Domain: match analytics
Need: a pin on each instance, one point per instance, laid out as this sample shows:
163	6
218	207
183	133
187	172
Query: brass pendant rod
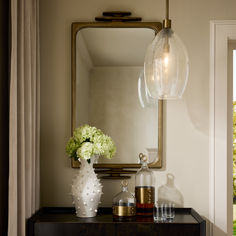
167	21
167	9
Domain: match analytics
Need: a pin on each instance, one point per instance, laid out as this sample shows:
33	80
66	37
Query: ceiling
116	46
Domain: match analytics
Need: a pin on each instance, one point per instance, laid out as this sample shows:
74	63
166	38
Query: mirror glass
109	87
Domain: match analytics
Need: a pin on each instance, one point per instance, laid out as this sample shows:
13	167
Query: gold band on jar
124	210
144	195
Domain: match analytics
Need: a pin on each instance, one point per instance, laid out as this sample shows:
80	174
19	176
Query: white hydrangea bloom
85	151
88	141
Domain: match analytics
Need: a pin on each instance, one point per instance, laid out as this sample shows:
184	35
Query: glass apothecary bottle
144	189
124	204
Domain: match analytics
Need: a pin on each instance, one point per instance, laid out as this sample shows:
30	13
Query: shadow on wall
169	193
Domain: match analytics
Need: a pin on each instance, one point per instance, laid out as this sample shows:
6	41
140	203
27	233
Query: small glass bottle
124	204
144	189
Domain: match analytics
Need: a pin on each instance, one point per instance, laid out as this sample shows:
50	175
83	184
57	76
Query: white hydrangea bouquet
88	141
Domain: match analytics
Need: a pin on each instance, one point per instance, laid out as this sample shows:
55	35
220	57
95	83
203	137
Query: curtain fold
24	115
4	115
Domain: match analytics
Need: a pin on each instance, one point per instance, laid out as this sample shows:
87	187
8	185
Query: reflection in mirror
108	66
144	97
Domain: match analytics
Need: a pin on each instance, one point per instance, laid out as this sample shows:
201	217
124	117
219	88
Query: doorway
221	129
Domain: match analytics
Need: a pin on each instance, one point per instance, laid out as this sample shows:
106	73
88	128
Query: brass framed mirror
107	83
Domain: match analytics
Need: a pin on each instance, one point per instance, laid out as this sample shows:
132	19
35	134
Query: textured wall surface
83	65
114	107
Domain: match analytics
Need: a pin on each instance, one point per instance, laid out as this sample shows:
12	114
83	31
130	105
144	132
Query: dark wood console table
63	222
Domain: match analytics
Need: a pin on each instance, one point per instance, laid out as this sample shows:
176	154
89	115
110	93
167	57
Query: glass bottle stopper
142	157
124	183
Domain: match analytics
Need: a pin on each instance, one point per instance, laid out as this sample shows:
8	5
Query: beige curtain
24	115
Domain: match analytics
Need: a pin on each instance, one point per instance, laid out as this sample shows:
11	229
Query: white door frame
220	159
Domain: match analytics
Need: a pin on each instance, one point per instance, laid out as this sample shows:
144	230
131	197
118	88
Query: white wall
186	138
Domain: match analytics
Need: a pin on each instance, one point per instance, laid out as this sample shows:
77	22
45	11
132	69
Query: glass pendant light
166	65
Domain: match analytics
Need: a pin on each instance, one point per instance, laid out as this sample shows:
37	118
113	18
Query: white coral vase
86	190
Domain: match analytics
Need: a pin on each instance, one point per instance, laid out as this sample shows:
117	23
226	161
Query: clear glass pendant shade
166	66
144	98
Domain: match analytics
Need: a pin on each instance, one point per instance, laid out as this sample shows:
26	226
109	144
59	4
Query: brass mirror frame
75	28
